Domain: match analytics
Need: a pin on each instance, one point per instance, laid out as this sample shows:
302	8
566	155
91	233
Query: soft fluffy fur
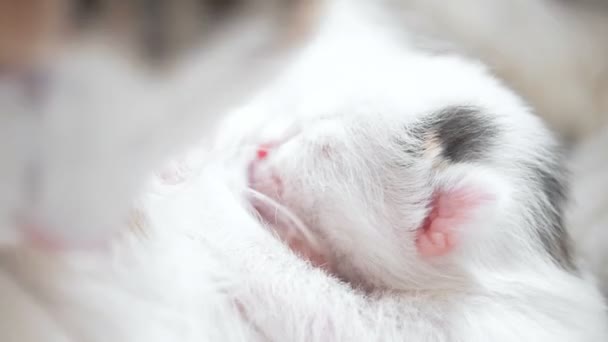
197	264
554	53
333	161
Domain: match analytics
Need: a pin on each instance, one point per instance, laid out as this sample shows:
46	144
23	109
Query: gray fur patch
550	221
464	133
461	132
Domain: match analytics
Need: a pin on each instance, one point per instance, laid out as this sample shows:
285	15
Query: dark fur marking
465	135
553	233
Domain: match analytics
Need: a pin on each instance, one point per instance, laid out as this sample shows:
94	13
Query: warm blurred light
153	30
28	29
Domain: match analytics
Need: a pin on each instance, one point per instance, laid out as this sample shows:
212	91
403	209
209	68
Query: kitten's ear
460	206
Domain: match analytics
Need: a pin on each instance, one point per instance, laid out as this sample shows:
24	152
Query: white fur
351	98
163	285
206	269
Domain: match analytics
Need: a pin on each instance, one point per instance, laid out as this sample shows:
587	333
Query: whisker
280	209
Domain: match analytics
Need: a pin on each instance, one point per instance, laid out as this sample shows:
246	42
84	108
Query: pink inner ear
449	209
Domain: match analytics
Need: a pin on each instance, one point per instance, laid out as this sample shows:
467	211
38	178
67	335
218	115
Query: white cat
197	265
419	181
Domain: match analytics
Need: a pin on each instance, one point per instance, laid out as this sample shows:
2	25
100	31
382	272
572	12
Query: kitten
203	268
429	190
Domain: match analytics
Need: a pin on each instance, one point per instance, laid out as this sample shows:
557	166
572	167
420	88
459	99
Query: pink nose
262	154
263	150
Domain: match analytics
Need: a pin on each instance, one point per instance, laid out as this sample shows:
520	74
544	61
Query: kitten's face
353	184
83	130
404	173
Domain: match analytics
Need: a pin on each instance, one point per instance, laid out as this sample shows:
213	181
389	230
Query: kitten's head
416	185
85	125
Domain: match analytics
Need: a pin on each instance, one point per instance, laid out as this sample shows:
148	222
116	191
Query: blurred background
553	52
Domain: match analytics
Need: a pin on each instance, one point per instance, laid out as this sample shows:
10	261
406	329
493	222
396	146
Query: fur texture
194	263
343	167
